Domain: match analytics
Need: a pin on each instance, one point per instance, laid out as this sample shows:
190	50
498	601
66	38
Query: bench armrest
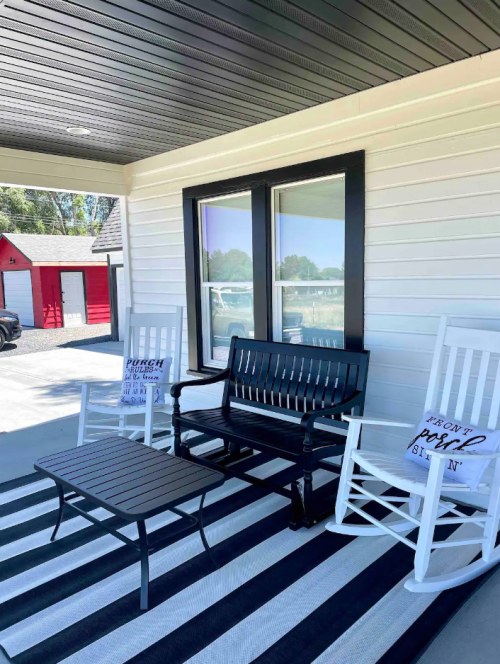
178	387
308	419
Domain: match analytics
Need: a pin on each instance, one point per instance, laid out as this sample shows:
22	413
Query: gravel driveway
34	340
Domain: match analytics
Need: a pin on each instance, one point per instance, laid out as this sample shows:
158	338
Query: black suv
10	327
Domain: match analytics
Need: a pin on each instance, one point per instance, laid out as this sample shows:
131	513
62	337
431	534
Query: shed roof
54	249
110	237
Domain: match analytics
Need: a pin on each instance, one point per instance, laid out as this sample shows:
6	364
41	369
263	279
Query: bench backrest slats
319	394
290	377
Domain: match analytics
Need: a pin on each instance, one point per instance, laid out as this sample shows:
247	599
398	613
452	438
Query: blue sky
321	240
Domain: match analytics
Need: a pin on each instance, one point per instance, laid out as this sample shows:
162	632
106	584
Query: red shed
53	280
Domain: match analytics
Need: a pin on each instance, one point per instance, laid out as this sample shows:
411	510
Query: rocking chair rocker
428	486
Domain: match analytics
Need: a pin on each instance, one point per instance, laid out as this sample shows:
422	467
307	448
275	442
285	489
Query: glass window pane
231	314
310	230
309	238
227	273
313	315
226	231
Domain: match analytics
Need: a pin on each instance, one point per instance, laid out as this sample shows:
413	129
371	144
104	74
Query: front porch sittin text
438	432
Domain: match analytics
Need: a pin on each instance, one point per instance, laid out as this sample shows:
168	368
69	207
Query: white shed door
73	298
120	293
18	295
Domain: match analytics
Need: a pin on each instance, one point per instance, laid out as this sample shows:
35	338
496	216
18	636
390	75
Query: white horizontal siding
432	146
44	171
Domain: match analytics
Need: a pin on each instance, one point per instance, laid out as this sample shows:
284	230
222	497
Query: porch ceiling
149	77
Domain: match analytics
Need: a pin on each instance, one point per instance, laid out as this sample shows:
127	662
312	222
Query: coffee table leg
60	493
143	543
202	534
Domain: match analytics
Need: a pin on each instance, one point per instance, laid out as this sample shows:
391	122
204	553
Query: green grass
328	311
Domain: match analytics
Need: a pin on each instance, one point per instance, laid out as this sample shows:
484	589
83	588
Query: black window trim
260	184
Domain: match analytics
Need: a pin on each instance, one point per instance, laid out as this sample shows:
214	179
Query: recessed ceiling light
78	131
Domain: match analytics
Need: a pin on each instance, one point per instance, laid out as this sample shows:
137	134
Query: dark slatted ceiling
149	77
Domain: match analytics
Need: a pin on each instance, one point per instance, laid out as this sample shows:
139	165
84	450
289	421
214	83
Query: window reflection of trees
232	265
301	268
236	265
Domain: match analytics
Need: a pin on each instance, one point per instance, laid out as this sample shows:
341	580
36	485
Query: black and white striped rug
280	596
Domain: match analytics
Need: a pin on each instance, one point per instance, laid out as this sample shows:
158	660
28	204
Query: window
278	256
226	273
308	266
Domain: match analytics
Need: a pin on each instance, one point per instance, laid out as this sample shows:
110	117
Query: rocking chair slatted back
465	341
470	360
293	379
155	336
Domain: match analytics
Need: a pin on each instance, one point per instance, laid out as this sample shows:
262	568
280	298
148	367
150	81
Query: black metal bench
311	386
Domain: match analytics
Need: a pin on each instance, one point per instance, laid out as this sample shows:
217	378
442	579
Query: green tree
4	223
331	273
233	265
22	213
51	212
298	268
98	209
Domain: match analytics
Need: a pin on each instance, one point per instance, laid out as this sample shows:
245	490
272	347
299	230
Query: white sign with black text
440	433
139	372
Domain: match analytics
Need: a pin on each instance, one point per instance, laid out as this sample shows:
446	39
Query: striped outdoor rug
280	596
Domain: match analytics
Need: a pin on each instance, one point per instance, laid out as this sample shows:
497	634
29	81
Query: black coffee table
134	482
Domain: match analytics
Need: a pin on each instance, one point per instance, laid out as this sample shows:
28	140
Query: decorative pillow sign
138	372
440	433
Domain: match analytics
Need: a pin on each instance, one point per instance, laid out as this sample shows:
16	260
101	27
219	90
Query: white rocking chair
147	336
429	485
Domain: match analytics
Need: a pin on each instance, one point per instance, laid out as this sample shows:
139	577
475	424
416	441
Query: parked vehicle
10	327
232	315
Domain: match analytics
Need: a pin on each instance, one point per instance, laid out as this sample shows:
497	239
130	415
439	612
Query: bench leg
202	534
308	499
303	512
307	467
60	493
144	549
297	505
177	428
185	451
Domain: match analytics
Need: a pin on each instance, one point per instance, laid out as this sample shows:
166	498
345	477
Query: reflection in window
309	254
227	274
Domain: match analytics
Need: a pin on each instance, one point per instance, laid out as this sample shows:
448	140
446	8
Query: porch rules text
139	372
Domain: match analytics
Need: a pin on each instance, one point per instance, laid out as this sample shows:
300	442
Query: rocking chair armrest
98	382
177	388
307	420
364	419
463	454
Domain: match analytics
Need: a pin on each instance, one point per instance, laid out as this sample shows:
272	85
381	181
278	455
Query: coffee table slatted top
129	479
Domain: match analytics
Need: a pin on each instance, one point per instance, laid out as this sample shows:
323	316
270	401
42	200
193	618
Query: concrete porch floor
40	400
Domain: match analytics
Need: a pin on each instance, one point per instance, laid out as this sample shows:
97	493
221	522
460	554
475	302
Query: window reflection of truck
232	315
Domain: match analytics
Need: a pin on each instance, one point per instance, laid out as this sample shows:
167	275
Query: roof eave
68	263
106	250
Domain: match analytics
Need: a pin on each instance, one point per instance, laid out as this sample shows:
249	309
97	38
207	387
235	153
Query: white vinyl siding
432	145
